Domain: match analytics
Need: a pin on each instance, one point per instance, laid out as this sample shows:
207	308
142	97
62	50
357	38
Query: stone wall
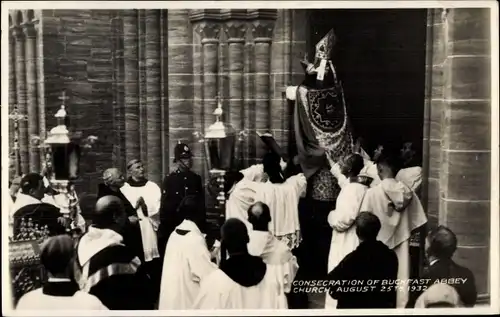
77	59
457	138
150	78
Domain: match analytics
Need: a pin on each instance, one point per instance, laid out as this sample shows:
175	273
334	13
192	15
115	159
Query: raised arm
335	170
254	172
342	218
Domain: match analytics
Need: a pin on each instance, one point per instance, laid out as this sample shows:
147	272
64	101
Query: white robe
151	194
410	176
278	257
282	199
243	194
219	291
37	300
344	237
396	226
187	262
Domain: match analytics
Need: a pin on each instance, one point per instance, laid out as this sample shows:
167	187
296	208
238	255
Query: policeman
177	185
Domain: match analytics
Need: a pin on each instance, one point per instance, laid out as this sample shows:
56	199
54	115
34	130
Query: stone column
164	92
12	93
289	43
143	103
153	89
131	85
118	100
209	30
180	82
262	30
31	94
21	98
235	28
434	90
40	81
466	138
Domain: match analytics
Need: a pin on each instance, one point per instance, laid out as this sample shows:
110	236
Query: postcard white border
495	181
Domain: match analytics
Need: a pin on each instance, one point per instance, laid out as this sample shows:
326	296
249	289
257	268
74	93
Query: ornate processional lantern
63	159
220	141
223	153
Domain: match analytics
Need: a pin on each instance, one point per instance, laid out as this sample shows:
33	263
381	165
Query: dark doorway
380	59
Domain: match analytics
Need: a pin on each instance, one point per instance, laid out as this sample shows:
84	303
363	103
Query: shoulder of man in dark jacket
447	270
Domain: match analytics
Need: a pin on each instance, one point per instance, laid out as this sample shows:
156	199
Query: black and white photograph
327	158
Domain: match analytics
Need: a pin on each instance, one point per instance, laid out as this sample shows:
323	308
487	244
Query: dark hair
30	182
57	253
189	208
272	168
390	161
263	218
355	164
442	242
234	235
367	226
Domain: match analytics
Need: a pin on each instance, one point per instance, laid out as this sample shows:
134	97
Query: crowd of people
146	247
332	226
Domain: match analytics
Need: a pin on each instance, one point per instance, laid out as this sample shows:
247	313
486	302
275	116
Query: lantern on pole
64	159
220	141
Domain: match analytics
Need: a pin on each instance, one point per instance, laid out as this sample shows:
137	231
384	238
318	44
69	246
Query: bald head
113	178
234	235
106	211
259	216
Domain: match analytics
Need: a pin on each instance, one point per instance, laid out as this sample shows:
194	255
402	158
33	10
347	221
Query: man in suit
177	185
441	244
372	260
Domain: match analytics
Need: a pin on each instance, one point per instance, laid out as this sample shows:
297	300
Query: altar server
342	218
242	281
276	254
187	259
400	212
266	183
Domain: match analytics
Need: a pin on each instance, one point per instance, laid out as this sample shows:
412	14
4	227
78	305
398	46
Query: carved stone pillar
153	88
12	91
262	30
235	28
31	94
208	27
131	85
21	98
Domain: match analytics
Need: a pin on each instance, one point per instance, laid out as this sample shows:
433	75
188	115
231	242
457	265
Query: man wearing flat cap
180	183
